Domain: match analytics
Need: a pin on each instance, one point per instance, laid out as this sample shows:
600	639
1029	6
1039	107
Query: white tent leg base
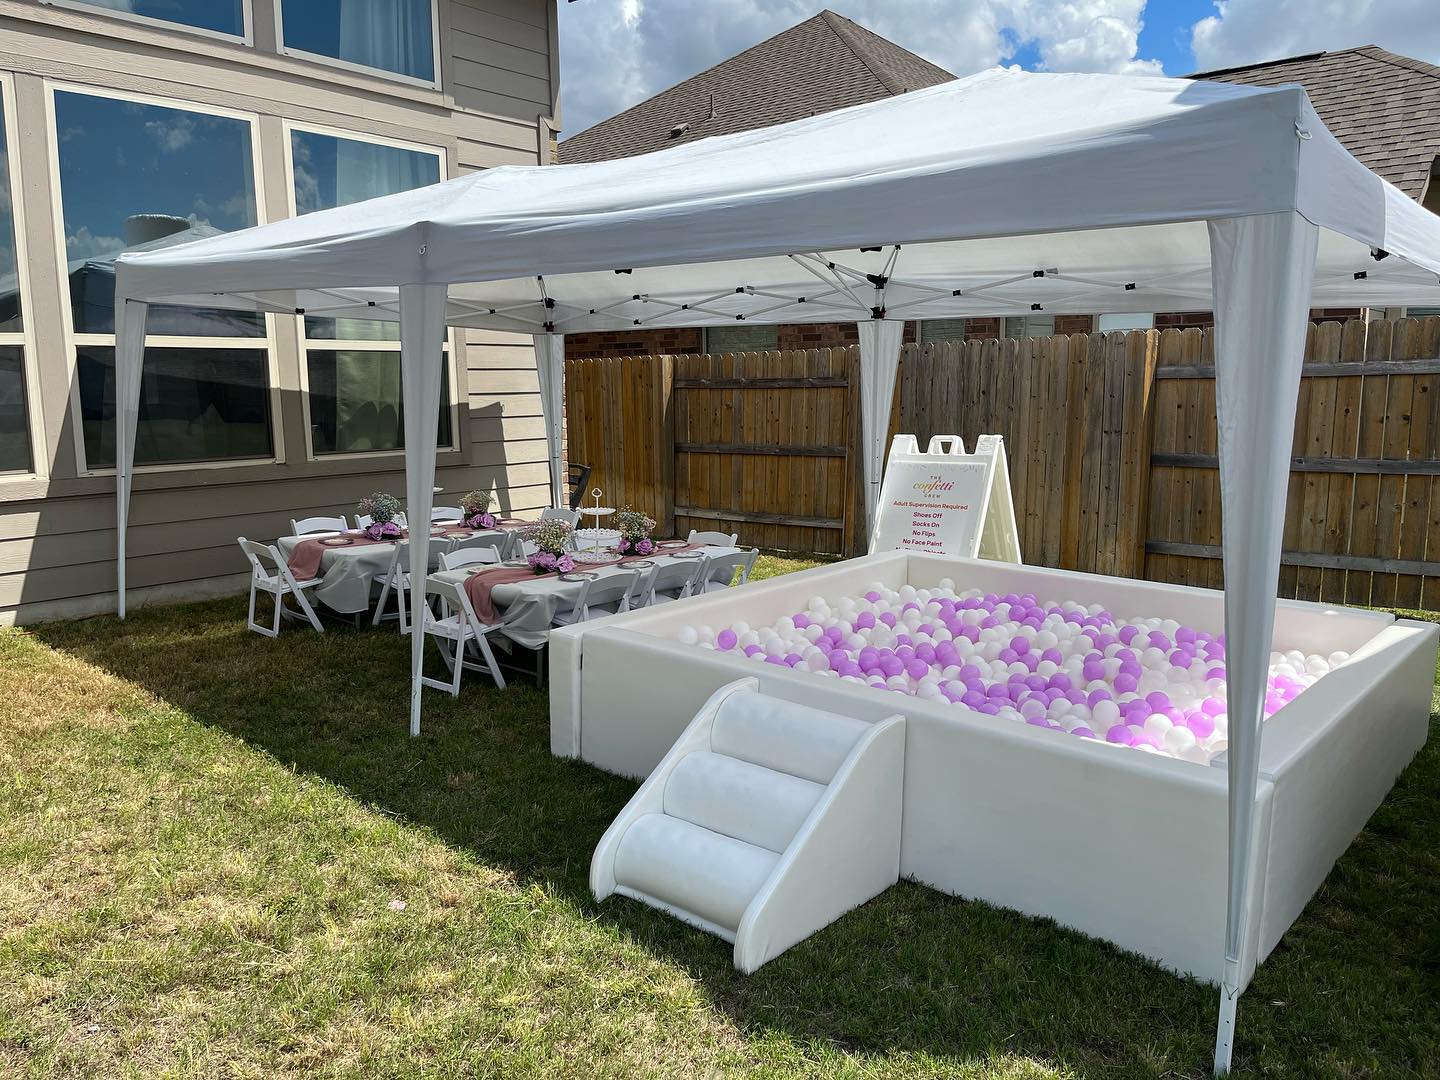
1225	1029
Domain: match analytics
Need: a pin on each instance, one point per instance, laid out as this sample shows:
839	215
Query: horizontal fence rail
1111	440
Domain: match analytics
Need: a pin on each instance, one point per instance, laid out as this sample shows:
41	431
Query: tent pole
1262	270
880	341
130	318
422	337
550	367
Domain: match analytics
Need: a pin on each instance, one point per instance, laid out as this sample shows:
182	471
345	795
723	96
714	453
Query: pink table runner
479	586
304	560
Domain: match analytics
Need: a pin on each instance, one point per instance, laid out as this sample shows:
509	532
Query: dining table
349	571
526	608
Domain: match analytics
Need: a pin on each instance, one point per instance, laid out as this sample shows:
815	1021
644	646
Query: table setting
350	562
524	595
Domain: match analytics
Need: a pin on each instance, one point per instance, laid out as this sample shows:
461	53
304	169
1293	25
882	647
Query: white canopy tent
1003	193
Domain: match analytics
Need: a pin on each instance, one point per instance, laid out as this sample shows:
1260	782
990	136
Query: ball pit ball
1151	685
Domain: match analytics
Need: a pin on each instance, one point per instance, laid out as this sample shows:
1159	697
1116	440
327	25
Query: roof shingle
1383	107
824	63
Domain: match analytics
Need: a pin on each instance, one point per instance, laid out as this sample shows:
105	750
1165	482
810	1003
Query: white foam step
783	736
737	799
691	868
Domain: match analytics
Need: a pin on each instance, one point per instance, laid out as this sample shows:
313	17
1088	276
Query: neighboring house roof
1384	108
824	63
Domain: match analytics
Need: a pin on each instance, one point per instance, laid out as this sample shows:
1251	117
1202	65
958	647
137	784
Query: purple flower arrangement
552	537
635	529
543	562
381	509
475	506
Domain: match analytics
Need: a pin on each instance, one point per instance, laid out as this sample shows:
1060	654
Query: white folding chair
718	539
455	630
471	556
608	595
364	521
446	513
523	549
304	526
279	584
498	539
397	577
721	569
556	514
673	581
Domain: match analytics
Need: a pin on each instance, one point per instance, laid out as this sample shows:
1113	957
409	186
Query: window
740	338
1104	324
936	330
397	36
137	175
15	452
1027	326
225	17
195	405
352	366
356	405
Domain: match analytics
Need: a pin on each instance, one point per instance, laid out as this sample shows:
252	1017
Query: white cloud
1248	31
83	244
614	55
172	134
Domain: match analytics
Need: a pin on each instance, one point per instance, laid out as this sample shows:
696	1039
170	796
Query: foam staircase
765	822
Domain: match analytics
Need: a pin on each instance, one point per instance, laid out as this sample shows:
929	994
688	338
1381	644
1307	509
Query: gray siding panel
57	537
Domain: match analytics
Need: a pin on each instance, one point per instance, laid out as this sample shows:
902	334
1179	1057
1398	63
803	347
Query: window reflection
135	177
195	405
331	171
389	35
356	402
220	16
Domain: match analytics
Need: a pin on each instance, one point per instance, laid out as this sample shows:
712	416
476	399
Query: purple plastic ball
726	639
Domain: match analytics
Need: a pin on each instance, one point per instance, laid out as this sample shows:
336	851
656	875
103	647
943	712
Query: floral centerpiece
635	529
551	536
381	509
476	510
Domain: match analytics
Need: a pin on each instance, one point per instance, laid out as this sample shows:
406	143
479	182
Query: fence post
663	466
857	529
1143	347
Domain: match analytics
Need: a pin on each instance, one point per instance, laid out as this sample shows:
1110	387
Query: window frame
24	338
74	340
362	69
305	344
247	17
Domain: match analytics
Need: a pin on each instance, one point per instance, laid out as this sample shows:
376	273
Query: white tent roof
1004	192
985	181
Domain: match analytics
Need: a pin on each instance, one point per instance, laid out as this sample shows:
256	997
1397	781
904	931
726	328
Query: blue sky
615	53
1165	33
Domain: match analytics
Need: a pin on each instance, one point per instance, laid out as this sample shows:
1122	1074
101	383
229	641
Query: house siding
57	536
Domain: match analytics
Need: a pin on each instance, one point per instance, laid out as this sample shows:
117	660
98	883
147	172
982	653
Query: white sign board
947	502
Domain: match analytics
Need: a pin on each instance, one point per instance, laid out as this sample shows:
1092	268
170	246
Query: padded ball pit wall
1121	845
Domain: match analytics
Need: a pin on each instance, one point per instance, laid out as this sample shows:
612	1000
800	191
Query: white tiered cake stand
595	538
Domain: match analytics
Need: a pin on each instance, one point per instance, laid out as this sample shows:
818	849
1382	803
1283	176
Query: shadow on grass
1351	990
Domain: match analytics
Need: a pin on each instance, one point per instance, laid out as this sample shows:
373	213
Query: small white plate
687	555
579	575
638	564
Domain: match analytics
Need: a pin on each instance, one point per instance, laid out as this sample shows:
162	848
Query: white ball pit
1125	843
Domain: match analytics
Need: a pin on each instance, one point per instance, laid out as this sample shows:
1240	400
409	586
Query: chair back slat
717	539
470	556
305	526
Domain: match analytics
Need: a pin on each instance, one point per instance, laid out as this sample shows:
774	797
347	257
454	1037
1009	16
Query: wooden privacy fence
1111	440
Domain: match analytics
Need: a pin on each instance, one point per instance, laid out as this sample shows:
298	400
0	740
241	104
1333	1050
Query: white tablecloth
348	573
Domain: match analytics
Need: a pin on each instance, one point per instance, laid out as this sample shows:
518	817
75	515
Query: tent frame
1262	276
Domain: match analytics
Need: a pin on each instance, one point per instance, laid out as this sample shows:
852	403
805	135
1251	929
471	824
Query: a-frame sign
947	502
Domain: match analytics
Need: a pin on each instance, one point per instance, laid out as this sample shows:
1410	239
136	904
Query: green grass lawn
221	856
